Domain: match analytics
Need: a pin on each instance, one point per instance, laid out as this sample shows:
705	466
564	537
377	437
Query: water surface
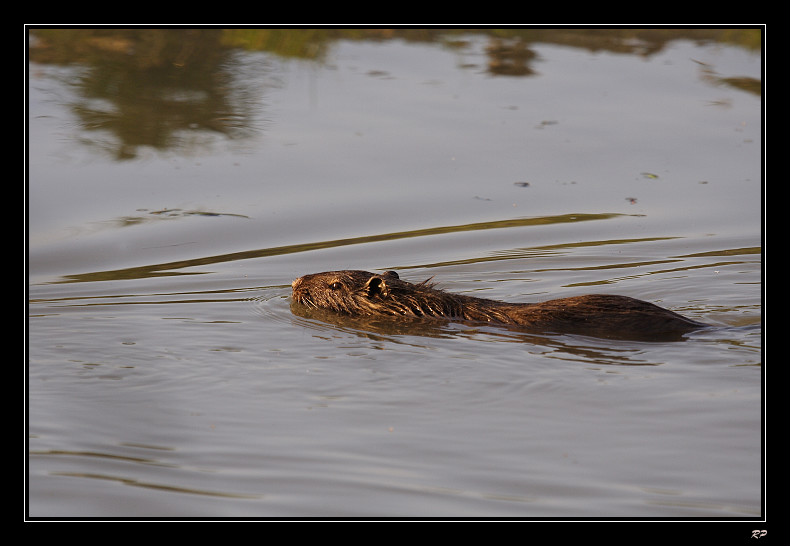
179	181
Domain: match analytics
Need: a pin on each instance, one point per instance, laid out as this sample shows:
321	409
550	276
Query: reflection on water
751	85
147	216
149	88
156	486
163	88
123	480
172	268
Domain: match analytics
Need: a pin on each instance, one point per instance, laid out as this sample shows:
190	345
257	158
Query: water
168	375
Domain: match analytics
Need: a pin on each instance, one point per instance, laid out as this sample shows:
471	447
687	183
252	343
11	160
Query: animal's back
602	315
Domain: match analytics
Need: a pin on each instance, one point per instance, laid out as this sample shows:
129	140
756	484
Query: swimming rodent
361	293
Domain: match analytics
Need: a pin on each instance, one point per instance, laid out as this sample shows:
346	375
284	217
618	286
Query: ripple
271	302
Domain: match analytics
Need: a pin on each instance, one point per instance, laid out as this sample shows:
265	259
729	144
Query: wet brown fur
361	293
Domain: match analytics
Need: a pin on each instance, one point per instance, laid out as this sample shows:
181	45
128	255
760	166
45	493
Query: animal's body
361	293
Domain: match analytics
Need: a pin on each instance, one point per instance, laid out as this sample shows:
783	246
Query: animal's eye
335	286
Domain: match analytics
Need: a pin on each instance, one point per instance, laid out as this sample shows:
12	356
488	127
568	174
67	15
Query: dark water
178	183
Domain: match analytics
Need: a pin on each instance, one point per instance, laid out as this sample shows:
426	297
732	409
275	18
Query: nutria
361	293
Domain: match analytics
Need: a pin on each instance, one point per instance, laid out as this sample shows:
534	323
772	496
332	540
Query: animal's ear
390	274
377	286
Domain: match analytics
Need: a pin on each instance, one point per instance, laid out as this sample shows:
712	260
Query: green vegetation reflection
181	89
